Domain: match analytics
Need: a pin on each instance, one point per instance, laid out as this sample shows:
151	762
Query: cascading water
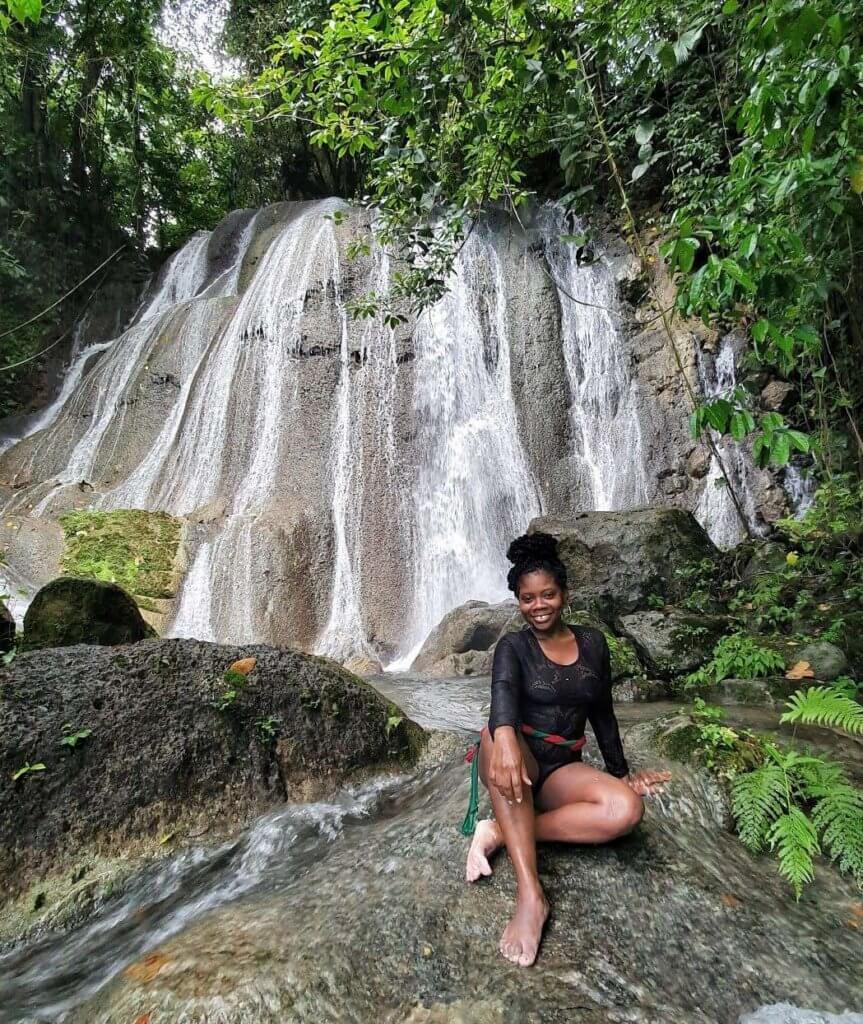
474	489
716	511
183	277
610	467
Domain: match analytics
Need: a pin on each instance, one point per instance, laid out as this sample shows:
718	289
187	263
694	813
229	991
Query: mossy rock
130	547
71	610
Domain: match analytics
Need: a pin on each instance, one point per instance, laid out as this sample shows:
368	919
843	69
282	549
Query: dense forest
723	138
734	129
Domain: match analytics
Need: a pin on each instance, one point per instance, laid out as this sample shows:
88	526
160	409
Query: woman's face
540	600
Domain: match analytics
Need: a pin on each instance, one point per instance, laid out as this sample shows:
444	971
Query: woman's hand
508	772
647	783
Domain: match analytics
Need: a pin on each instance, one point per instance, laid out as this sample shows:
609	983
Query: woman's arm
507	771
604	721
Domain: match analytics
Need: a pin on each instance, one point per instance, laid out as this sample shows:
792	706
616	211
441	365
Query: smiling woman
548	681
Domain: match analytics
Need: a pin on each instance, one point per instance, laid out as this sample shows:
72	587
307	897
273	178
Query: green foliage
796	805
27	769
737	656
235	683
72	737
268	728
825	706
99	148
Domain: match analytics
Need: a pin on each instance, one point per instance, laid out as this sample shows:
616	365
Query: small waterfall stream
610	466
715	510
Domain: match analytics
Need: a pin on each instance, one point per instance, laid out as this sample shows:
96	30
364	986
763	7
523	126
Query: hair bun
533	546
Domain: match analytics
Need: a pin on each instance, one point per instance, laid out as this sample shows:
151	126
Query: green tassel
469	824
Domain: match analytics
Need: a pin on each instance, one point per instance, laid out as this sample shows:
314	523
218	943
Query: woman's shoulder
515	639
590	637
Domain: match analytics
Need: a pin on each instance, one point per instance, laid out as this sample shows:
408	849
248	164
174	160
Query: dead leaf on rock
730	900
857	909
824	607
852	923
143	1019
244	666
147	969
801	670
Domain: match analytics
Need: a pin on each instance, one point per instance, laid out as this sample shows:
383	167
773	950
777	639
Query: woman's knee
624	810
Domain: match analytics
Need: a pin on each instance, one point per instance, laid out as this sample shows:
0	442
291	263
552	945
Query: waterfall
344	635
800	488
716	511
474	490
182	279
610	470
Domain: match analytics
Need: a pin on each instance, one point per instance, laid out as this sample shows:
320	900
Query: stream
356	910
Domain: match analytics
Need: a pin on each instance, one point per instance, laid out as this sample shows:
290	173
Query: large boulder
71	610
672	641
166	735
474	626
616	559
7	628
624	659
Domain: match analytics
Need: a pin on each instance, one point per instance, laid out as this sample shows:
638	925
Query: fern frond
794	838
823	705
838	816
816	778
758	798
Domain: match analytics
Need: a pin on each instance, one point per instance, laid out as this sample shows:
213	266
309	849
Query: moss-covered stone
69	611
130	547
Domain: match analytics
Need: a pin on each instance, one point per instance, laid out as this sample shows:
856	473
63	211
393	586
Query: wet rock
469	663
171	740
642	690
768	557
769	692
826	660
616	559
777	395
474	626
785	1013
363	665
7	628
672	641
70	610
698	462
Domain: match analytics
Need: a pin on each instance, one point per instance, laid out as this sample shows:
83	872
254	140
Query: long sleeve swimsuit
526	687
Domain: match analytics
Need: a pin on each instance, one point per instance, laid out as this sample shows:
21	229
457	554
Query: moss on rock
130	547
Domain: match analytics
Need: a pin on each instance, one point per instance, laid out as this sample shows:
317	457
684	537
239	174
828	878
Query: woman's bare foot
486	839
520	940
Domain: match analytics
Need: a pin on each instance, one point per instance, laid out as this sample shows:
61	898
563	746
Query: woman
547	681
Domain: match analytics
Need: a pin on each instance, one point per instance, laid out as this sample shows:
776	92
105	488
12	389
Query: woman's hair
533	552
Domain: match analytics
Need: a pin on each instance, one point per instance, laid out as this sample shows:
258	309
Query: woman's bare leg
580	804
520	940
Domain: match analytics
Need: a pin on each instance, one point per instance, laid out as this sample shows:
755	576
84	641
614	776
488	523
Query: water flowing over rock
716	510
355	909
362	477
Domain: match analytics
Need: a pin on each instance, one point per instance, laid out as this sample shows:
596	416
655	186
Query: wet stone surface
357	911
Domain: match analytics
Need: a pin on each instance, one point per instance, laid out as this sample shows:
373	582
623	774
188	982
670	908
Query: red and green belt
469	824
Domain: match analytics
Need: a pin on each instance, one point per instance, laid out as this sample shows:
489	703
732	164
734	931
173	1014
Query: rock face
71	610
672	641
616	559
7	628
826	660
473	628
159	747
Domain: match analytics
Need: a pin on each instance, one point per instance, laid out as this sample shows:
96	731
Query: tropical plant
737	655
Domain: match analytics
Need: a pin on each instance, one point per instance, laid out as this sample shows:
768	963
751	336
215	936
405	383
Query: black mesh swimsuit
527	687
